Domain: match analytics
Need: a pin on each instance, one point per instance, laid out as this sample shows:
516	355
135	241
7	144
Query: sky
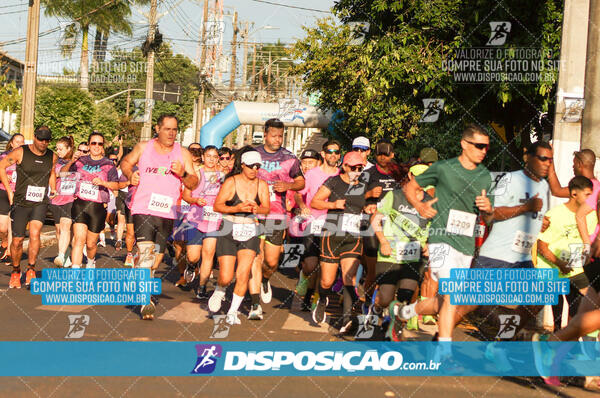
180	26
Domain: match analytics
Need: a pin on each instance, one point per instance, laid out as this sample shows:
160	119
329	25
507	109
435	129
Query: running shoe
148	311
102	240
129	260
181	282
429	320
67	263
544	357
90	264
256	313
318	315
119	245
15	280
29	275
189	274
265	292
201	293
394	332
413	323
495	353
214	302
348	326
59	260
233	319
302	285
315	300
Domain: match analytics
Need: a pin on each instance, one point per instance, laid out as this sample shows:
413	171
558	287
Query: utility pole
245	68
200	103
233	54
147	129
128	101
571	82
30	75
253	66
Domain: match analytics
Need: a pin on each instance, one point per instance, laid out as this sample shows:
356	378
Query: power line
290	6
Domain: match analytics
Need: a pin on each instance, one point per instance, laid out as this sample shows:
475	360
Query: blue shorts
487	262
183	231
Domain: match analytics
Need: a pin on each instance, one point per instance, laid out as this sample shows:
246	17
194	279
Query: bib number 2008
35	194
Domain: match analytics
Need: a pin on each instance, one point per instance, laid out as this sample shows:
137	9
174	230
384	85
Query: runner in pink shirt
5	235
202	240
163	167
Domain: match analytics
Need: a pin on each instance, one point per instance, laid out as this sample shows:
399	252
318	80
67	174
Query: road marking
186	312
63	308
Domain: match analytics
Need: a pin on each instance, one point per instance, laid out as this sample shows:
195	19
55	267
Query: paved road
181	317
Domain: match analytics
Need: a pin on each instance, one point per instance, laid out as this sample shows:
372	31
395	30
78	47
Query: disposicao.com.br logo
301	362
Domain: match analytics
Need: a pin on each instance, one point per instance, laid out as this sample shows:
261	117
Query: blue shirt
511	240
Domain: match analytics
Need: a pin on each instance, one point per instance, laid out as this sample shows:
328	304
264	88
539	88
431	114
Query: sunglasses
96	143
224	157
479	146
544	158
84	151
356	168
359	150
254	166
43	139
333	151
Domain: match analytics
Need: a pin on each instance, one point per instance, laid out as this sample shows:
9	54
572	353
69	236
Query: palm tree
112	16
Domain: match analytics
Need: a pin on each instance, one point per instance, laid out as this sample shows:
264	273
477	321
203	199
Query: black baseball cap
43	133
309	154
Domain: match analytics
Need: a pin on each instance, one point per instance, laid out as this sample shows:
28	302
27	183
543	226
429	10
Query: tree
71	111
379	86
107	15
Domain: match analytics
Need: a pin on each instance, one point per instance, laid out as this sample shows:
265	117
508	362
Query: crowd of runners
375	232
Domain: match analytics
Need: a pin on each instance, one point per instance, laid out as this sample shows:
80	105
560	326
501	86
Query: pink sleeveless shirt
159	190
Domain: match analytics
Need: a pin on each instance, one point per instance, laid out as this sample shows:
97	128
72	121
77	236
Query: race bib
316	226
185	206
351	223
408	251
67	187
243	232
272	194
208	214
35	194
89	191
523	242
461	223
160	203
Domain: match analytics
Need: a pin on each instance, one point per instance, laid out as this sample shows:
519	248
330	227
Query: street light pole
30	75
147	129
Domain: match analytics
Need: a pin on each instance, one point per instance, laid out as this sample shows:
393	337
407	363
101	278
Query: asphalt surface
182	317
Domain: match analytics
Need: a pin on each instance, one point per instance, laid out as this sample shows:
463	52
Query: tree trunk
104	46
97	50
84	73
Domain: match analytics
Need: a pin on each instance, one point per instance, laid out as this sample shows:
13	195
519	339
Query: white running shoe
265	292
102	241
214	302
233	319
59	260
91	264
256	313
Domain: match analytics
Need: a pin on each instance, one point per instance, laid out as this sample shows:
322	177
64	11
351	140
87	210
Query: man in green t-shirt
561	246
461	186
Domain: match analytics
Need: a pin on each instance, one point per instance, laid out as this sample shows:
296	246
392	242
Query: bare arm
544	251
132	158
581	218
263	195
296	185
11	158
189	177
319	201
52	181
555	187
425	209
